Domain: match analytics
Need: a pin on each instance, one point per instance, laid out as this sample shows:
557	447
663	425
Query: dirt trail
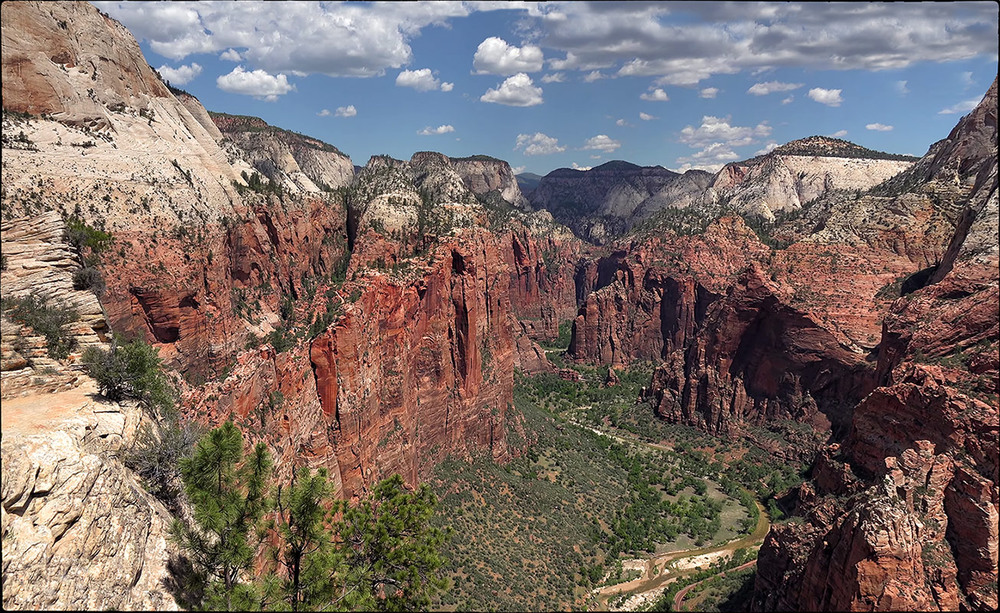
679	598
656	574
42	412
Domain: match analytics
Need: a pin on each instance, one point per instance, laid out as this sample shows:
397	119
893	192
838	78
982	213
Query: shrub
156	458
131	369
80	235
89	278
45	319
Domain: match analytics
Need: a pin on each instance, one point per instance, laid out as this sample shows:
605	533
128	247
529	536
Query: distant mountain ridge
607	200
295	161
611	199
827	146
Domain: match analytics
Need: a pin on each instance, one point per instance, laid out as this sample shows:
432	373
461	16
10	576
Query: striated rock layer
416	366
903	516
296	162
80	532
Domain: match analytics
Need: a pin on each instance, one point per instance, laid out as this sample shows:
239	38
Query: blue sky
550	85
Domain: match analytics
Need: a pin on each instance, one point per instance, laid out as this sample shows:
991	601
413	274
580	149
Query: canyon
371	321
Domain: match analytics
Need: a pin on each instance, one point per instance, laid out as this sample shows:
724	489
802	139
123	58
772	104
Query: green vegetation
827	146
80	235
389	550
729	592
89	278
477	158
561	342
89	243
131	369
156	454
379	554
542	531
227	493
47	319
764	229
905	182
247	123
256	183
739	557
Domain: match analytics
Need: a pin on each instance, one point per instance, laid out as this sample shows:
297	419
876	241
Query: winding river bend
662	569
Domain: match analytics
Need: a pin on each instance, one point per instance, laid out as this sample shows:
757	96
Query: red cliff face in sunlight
415	368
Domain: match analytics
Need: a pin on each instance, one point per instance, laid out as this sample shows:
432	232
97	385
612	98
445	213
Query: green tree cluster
380	554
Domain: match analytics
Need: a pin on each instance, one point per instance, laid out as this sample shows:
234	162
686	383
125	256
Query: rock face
798	172
916	213
642	307
296	162
757	359
546	274
41	263
908	520
80	532
485	175
203	269
451	394
416	365
74	78
603	202
904	514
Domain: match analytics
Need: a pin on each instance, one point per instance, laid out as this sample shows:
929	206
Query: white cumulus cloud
231	55
602	142
657	95
555	77
324	113
495	56
256	83
300	38
180	75
839	134
719	130
788	100
709	92
878	127
346	111
829	97
447	87
961	107
769	87
678	44
583	168
716	138
768	148
517	90
538	144
711	158
438	130
421	80
646	116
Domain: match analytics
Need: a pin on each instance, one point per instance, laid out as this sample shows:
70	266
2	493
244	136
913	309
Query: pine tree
302	513
227	492
388	554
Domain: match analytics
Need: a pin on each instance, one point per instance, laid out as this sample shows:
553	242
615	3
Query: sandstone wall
80	532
